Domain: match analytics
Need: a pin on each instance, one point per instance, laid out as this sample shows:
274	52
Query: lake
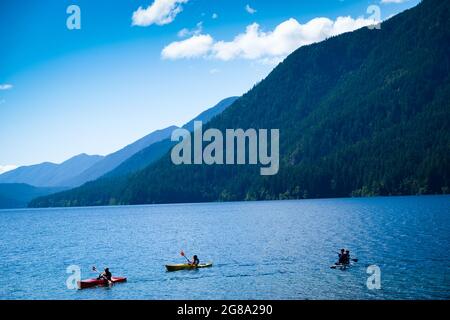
260	250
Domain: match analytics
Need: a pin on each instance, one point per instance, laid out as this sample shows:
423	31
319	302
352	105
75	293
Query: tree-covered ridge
364	113
17	195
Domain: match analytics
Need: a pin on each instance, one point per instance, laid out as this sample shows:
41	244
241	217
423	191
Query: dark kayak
341	266
89	283
185	266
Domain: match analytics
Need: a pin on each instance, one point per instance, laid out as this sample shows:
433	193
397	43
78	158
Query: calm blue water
260	250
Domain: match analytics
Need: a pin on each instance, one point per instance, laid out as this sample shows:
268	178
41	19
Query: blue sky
128	72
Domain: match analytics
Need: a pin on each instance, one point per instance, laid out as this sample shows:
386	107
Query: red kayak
89	283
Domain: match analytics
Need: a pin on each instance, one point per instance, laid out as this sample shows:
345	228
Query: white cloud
7	168
215	16
250	9
196	46
6	86
214	71
393	1
186	32
183	32
161	12
268	47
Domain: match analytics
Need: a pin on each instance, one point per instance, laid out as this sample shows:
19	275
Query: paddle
95	269
183	255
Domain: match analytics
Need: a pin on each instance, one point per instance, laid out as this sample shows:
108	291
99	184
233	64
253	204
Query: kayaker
347	257
106	275
341	257
344	257
195	261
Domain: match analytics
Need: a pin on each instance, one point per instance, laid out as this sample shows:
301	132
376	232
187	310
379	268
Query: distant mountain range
364	113
113	160
154	152
51	177
82	168
49	174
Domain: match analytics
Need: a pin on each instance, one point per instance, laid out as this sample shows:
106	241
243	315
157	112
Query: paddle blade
182	253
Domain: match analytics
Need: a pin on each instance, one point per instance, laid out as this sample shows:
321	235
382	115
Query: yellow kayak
185	266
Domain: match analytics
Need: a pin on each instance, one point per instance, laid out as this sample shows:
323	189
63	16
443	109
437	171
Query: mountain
364	113
154	152
113	160
118	177
210	113
83	168
17	195
49	174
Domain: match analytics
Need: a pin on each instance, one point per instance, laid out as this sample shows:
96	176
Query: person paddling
342	257
344	260
105	275
195	261
347	257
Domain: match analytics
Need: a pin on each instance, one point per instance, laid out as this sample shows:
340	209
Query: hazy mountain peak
48	174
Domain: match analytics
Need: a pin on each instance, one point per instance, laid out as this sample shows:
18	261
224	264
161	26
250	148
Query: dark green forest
365	113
